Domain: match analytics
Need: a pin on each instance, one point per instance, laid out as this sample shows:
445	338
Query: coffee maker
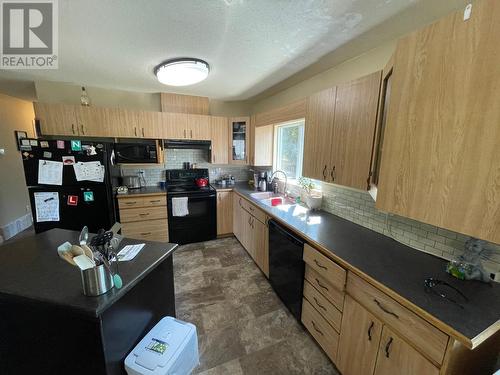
262	183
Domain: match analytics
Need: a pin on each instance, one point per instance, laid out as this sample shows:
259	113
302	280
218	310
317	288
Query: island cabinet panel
440	163
219	127
396	357
318	132
353	131
359	340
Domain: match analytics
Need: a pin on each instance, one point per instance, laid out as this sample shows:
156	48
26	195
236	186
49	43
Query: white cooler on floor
171	347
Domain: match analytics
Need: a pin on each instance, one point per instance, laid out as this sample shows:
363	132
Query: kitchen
332	208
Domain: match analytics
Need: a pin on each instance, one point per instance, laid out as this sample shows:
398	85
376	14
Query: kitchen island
49	327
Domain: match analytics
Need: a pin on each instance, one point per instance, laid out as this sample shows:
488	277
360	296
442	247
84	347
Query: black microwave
137	152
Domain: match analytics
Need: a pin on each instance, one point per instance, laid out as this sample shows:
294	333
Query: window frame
277	149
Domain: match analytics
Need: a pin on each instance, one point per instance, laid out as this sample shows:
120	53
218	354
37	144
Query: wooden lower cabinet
359	338
224	212
252	233
144	217
396	357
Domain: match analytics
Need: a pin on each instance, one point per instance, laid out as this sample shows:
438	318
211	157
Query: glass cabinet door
239	135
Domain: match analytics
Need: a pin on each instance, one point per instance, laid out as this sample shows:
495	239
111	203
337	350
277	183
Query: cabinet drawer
322	305
253	210
426	338
130	202
141	214
152	230
322	285
329	270
320	329
156	200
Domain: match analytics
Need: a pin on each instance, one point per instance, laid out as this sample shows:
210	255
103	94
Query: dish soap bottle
84	98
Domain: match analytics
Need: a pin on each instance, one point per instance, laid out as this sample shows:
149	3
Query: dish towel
180	206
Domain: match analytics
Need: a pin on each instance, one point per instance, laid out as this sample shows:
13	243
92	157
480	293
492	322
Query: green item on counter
297	200
454	269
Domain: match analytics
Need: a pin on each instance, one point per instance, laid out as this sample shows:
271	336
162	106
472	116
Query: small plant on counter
306	184
312	199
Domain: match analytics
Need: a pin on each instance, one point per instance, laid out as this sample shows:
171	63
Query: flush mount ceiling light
182	72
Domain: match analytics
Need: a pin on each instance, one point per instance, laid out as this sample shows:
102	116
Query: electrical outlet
141	171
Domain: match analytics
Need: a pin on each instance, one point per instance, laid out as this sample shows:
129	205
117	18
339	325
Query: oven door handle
192	197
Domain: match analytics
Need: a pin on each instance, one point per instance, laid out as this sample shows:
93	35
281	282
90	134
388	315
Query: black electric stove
200	223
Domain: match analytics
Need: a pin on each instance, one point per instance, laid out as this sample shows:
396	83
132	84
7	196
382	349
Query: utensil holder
96	281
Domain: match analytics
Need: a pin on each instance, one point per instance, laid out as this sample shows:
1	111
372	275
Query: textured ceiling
250	44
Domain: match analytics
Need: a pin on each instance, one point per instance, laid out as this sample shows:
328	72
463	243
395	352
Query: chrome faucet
275	184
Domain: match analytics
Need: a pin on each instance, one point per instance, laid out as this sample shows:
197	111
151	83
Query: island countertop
397	269
32	269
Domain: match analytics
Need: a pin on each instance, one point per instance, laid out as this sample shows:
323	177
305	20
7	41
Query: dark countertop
31	268
398	267
148	190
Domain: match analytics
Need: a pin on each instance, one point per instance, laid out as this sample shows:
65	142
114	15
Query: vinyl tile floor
243	328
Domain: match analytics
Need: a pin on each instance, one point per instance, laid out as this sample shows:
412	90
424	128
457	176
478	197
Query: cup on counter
163	185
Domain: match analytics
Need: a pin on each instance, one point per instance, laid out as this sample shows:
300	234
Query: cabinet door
440	163
263	145
174	126
56	119
353	129
397	357
320	112
359	339
239	136
150	124
238	218
224	212
98	121
260	243
220	143
198	127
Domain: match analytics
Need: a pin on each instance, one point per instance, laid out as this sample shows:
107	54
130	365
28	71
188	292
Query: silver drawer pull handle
146	214
320	265
145	234
155	201
316	328
130	202
384	309
319	304
321	285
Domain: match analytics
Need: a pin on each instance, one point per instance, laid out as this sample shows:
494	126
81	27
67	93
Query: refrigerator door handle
112	158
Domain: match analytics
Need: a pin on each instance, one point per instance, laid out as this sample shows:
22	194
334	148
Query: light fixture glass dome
182	72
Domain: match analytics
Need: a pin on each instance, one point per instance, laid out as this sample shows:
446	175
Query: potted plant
312	198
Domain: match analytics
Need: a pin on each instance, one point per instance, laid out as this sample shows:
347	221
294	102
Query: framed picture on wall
20	135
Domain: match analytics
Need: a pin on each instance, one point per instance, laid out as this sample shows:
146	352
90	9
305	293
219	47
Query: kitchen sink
263	195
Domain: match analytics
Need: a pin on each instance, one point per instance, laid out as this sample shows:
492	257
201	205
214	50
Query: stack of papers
129	252
89	171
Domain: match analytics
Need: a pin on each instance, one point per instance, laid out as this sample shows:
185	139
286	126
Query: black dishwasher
286	267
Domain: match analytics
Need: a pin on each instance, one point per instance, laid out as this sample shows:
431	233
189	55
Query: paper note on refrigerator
50	172
46	206
89	171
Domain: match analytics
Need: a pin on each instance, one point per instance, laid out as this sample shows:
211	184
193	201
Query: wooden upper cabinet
151	124
359	340
263	144
219	137
353	130
174	125
198	127
239	140
440	163
99	121
56	119
320	113
396	357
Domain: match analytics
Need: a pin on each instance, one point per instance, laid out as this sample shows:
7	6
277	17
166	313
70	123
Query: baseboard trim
9	230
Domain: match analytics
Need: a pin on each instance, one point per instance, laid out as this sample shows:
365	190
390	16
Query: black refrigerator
58	198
